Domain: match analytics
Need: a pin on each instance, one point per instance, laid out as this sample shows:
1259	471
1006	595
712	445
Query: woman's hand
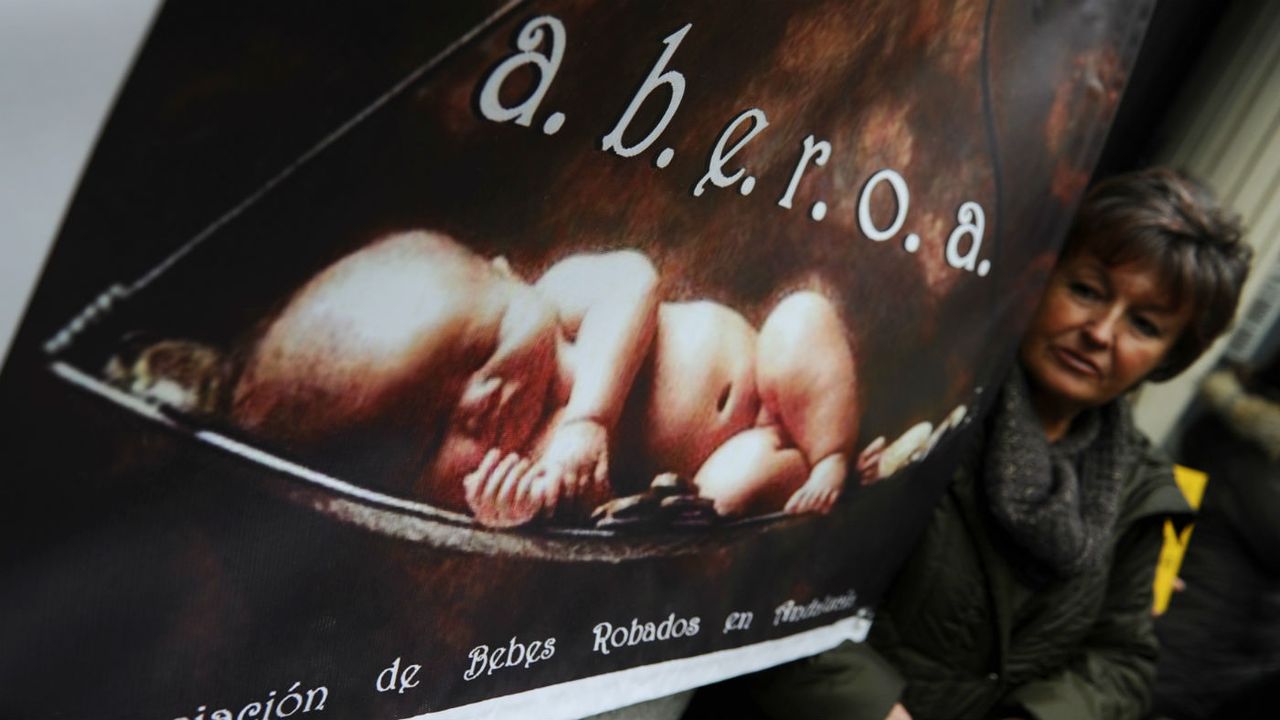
898	712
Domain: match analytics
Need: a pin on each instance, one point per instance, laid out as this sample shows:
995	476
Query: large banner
525	358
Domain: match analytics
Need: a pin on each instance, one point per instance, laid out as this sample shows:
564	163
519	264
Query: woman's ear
1164	371
1159	374
1175	359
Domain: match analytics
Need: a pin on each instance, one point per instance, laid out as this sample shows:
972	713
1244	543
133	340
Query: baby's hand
477	410
573	472
501	492
820	492
499	411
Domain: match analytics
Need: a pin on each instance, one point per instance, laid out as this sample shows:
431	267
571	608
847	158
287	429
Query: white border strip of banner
611	691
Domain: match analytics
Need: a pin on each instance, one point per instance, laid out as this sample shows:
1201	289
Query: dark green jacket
1222	633
960	636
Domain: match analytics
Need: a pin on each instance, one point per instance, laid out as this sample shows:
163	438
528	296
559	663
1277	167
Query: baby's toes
826	502
798	503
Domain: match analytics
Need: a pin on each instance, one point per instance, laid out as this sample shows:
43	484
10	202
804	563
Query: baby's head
365	364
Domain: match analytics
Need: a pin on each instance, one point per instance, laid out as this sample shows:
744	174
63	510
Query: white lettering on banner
486	661
901	197
674	80
541	44
395	678
972	223
715	169
819	152
609	636
738	621
791	611
530	37
294	701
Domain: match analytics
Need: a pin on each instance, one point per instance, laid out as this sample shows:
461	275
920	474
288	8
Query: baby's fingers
798	502
545	484
475	480
825	501
811	500
513	504
529	492
486	494
491	459
601	473
494	483
510	483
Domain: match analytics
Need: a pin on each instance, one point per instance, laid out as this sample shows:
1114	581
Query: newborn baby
420	366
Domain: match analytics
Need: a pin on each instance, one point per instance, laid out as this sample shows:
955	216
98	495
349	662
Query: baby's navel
722	402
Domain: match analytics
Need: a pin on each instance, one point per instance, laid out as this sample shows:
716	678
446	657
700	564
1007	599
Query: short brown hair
1161	216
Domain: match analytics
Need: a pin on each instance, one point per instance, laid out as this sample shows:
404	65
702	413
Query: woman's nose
1100	329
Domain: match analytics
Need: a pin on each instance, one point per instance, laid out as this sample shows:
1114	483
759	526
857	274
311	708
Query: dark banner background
145	574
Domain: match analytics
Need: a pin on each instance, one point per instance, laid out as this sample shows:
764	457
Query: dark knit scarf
1057	502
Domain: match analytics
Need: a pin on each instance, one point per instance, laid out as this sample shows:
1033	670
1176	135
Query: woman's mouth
1076	362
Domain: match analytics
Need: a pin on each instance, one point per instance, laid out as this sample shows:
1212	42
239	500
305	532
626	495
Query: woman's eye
1084	290
1146	327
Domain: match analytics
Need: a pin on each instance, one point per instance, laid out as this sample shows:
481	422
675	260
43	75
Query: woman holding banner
1029	595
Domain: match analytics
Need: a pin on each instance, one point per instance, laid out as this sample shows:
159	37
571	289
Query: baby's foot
820	492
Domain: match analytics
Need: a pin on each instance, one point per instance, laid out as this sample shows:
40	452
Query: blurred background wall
1221	125
61	64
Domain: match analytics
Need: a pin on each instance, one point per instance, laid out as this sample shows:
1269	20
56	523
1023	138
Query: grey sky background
61	64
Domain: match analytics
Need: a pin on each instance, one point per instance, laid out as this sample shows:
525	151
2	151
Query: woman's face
1099	331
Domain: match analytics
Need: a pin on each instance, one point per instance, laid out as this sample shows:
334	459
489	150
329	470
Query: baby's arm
512	382
607	305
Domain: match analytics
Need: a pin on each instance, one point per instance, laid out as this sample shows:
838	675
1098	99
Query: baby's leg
752	473
807	382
